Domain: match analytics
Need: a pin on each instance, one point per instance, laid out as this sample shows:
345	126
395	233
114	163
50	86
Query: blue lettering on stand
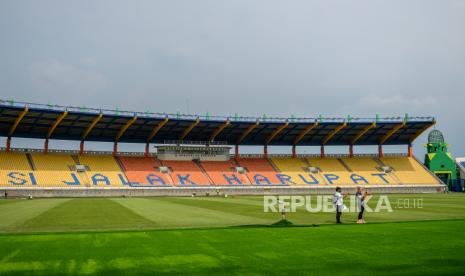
331	177
184	179
258	178
315	181
74	182
231	179
33	179
17	178
382	176
127	183
356	178
96	178
152	178
284	179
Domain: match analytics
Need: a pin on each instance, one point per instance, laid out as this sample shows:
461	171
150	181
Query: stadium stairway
186	173
370	168
409	170
103	170
222	173
260	172
296	168
142	171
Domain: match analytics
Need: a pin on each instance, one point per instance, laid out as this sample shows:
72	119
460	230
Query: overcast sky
279	58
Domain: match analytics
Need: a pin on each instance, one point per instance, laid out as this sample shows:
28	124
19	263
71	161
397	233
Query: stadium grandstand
193	153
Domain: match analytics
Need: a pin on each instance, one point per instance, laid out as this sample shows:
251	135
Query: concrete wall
212	191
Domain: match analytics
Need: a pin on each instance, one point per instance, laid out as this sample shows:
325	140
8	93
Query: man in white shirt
338	200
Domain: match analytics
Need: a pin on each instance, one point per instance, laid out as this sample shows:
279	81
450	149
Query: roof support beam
124	128
156	129
219	130
415	136
332	133
304	132
56	123
391	132
17	121
361	133
189	129
91	126
247	132
276	132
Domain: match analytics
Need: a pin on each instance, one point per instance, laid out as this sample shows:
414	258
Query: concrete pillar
147	150
8	144
81	148
46	146
115	148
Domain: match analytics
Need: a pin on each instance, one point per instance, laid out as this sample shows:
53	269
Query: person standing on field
360	204
338	200
282	208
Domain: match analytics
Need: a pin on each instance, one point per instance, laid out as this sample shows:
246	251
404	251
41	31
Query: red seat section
143	171
139	163
259	170
186	173
224	173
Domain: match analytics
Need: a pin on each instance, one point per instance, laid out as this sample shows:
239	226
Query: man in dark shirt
360	203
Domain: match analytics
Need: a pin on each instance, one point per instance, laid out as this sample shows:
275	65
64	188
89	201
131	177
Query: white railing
192	117
245	155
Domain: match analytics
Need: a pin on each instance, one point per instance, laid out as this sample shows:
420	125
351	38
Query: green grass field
227	235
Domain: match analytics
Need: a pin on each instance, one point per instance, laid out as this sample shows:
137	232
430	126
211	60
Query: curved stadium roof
30	120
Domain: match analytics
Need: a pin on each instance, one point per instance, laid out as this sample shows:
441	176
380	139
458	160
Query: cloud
394	104
54	77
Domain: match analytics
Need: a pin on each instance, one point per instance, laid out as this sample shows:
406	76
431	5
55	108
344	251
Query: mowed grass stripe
105	214
410	248
432	209
13	213
246	200
87	214
169	214
230	205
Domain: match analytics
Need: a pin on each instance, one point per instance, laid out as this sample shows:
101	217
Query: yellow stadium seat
99	162
52	162
327	164
14	161
409	171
